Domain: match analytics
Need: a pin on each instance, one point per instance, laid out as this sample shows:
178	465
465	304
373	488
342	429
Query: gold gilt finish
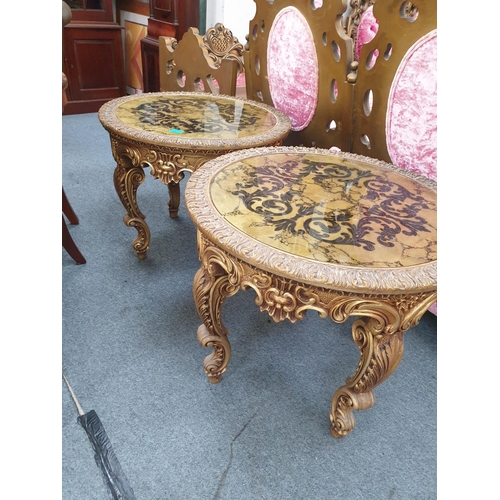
176	132
195	62
385	208
334	52
357	8
401	25
223	45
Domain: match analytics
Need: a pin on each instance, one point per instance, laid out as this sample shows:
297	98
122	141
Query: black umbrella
104	455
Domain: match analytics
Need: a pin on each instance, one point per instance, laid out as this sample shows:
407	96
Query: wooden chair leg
70	246
68	209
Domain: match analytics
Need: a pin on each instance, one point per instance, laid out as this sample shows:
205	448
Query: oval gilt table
176	132
335	233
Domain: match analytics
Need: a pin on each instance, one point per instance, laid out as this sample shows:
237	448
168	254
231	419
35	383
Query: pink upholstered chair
298	55
395	95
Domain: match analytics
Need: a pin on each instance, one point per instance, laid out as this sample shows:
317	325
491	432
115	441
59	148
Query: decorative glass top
328	208
196	116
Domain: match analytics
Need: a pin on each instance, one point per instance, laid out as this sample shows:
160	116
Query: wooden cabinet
92	56
167	18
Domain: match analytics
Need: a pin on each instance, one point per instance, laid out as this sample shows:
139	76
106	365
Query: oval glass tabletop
336	209
190	117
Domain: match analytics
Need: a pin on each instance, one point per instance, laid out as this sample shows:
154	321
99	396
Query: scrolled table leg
379	337
209	296
216	280
174	191
127	178
380	356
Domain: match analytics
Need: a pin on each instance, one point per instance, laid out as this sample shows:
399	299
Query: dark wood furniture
67	210
67	241
92	56
167	18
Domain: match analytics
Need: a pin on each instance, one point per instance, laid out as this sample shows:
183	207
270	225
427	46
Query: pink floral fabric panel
292	67
367	29
241	81
411	122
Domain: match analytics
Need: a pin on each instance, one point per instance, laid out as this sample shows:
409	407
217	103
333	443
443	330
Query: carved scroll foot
126	180
209	293
174	191
216	280
343	403
216	362
141	243
380	355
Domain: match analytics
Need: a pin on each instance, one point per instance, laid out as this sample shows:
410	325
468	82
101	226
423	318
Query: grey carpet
130	352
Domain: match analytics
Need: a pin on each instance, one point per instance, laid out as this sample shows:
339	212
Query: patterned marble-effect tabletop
293	210
344	213
308	229
194	119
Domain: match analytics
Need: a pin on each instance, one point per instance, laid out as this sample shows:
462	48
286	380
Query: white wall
233	14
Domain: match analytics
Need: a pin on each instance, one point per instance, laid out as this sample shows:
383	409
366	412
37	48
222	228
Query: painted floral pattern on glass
327	209
211	117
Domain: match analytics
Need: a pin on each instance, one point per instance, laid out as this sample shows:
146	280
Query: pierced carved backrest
360	25
209	63
395	87
298	55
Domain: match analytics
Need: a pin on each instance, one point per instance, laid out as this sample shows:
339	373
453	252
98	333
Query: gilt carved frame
386	301
194	62
330	125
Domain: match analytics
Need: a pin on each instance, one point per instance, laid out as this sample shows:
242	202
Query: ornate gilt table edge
378	333
167	157
385	312
121	131
411	279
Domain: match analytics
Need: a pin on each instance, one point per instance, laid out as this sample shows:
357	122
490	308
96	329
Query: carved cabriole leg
379	336
128	176
174	191
170	169
380	355
378	333
217	279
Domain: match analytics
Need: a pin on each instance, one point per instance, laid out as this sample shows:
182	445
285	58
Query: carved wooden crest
221	44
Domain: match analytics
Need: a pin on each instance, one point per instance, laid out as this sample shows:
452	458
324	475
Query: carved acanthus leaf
284	298
221	44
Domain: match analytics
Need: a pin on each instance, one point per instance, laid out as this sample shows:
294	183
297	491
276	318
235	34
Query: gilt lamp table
176	132
309	229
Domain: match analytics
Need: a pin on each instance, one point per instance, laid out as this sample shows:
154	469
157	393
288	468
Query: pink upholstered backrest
298	55
367	29
292	67
395	97
411	123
